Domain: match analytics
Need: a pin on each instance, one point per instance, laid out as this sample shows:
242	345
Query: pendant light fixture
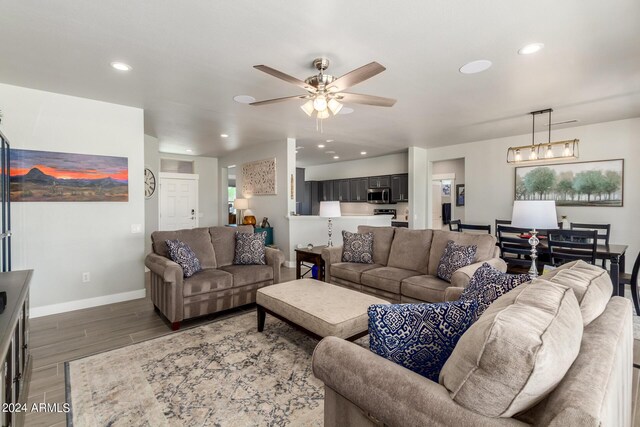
547	151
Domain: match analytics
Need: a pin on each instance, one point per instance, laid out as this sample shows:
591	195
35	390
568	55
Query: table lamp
534	214
240	205
330	210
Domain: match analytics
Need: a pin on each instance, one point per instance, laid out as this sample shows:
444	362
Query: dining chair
454	225
506	222
632	280
571	245
604	232
474	227
514	249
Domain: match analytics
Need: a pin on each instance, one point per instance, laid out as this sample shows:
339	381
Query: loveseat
220	285
405	263
364	389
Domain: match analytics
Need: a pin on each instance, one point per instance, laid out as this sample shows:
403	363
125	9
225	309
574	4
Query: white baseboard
64	307
290	264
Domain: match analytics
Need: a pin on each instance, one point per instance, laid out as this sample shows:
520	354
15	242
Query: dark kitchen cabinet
341	190
326	194
312	197
400	188
379	181
358	189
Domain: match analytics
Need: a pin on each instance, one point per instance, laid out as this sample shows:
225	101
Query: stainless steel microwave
378	195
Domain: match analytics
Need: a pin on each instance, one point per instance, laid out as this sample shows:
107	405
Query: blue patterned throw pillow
488	284
419	337
181	253
455	256
357	247
250	248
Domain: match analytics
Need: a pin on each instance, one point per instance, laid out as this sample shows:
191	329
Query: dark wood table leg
298	264
614	272
261	317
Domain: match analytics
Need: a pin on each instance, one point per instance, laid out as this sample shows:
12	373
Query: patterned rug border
67	383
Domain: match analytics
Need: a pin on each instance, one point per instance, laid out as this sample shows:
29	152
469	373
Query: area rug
224	373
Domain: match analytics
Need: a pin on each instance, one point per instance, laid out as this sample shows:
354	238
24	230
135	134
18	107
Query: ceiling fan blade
286	77
356	76
357	98
273	101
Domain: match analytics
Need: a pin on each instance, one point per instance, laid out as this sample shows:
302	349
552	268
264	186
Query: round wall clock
149	183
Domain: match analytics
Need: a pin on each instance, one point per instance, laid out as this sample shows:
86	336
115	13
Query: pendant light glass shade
334	106
320	103
307	107
323	114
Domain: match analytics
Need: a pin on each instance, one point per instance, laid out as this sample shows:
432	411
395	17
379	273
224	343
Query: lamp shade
241	203
330	209
534	214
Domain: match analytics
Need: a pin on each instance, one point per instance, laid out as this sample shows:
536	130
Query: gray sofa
219	286
406	262
364	389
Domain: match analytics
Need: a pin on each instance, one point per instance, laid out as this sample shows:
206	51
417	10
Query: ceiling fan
325	92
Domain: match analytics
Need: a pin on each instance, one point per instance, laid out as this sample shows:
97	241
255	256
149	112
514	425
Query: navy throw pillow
455	256
419	337
357	247
488	284
250	248
181	253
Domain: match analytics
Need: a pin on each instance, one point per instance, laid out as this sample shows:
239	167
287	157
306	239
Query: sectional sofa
405	263
221	285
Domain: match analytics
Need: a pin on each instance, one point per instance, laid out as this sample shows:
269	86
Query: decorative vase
249	220
566	225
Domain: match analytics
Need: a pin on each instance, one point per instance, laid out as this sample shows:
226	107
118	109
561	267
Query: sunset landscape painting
45	176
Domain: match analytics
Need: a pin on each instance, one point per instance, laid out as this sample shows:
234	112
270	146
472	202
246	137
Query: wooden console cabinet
14	345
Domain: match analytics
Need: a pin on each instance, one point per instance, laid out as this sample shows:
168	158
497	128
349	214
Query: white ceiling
190	58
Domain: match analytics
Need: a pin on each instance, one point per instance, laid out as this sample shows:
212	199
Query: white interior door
436	205
178	202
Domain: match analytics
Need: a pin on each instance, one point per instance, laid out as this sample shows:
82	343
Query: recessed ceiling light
363	153
336	157
299	148
475	66
244	99
224	135
330	152
346	110
121	66
329	140
189	150
530	48
320	145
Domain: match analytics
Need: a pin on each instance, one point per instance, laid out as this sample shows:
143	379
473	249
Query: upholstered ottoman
319	308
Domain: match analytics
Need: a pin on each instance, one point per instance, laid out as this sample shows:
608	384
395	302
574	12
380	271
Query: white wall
275	207
490	180
419	188
61	240
383	165
151	205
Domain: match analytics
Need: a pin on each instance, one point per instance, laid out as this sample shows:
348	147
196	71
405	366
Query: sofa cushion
223	240
207	281
351	271
249	274
455	257
517	351
198	240
357	247
591	284
485	243
181	254
250	249
382	238
424	288
488	284
386	278
419	337
410	249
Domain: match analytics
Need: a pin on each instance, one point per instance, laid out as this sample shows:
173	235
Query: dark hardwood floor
68	336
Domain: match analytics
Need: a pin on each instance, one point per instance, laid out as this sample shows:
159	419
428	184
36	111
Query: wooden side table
312	256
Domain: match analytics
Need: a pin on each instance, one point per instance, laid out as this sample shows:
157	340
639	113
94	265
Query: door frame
185	176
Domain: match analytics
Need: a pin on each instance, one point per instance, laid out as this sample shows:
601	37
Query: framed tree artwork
595	183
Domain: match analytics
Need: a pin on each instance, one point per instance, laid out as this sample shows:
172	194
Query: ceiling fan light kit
558	150
326	94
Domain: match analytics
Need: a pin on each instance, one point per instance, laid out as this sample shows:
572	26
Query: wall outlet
136	228
86	277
